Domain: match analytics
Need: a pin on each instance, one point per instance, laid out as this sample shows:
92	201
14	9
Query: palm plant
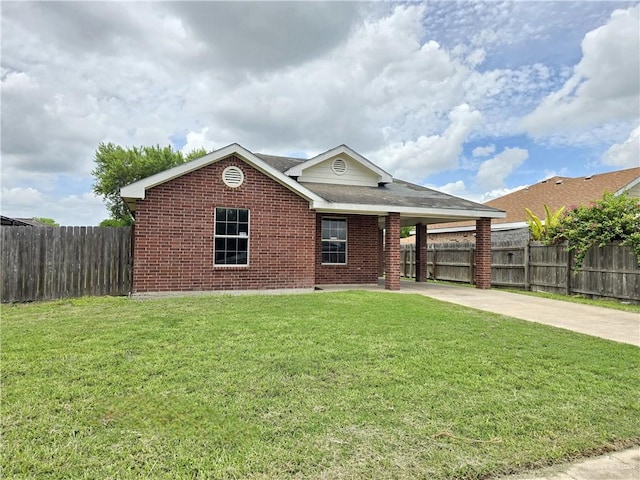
540	228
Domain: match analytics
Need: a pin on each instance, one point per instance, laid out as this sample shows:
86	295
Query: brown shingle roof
557	192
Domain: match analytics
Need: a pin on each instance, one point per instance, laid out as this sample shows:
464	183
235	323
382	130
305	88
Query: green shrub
612	219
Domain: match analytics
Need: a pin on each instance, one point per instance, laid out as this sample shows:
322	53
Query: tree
540	229
117	166
47	221
612	219
112	222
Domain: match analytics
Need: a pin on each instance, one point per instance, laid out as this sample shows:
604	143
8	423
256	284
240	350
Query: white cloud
460	189
84	210
197	140
604	85
496	193
457	188
20	197
483	151
626	154
416	160
493	172
400	83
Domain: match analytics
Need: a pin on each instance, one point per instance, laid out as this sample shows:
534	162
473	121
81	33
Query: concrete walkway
624	465
596	321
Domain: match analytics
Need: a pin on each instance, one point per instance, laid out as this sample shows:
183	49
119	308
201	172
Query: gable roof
138	189
556	192
414	203
296	170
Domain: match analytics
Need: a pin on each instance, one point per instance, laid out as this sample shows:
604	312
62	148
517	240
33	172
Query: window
231	236
334	240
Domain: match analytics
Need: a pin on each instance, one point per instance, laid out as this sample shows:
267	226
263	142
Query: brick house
237	220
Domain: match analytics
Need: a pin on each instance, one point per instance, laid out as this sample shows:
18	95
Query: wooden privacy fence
611	271
45	263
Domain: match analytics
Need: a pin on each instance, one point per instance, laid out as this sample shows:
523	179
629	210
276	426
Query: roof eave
496	227
364	209
628	186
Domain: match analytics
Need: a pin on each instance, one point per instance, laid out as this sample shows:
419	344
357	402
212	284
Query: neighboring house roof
410	240
555	192
21	222
367	189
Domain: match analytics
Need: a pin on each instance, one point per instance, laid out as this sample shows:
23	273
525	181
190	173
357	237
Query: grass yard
331	385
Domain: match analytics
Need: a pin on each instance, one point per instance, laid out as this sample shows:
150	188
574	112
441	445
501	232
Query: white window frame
238	236
345	241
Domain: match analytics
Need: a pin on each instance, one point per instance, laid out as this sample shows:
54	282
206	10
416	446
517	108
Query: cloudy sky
475	99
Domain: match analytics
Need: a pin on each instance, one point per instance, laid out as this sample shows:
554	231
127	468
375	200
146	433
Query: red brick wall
362	252
483	253
174	234
392	253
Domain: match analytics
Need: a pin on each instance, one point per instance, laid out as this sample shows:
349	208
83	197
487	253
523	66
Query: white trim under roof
494	227
383	177
457	214
138	189
629	186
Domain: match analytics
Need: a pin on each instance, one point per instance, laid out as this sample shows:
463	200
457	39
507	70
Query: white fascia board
296	171
325	206
496	227
139	188
629	186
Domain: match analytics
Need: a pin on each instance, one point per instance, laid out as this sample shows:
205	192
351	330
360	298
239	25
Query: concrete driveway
597	321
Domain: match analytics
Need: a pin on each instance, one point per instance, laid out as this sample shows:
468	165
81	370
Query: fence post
526	260
472	266
435	264
412	270
569	262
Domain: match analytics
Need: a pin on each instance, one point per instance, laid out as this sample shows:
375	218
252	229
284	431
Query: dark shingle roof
398	193
280	163
22	222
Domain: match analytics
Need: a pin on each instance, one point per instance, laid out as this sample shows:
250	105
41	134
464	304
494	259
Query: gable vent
232	177
339	166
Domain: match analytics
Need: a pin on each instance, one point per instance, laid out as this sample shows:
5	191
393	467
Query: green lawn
326	385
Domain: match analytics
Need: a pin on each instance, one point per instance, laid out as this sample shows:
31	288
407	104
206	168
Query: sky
476	99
